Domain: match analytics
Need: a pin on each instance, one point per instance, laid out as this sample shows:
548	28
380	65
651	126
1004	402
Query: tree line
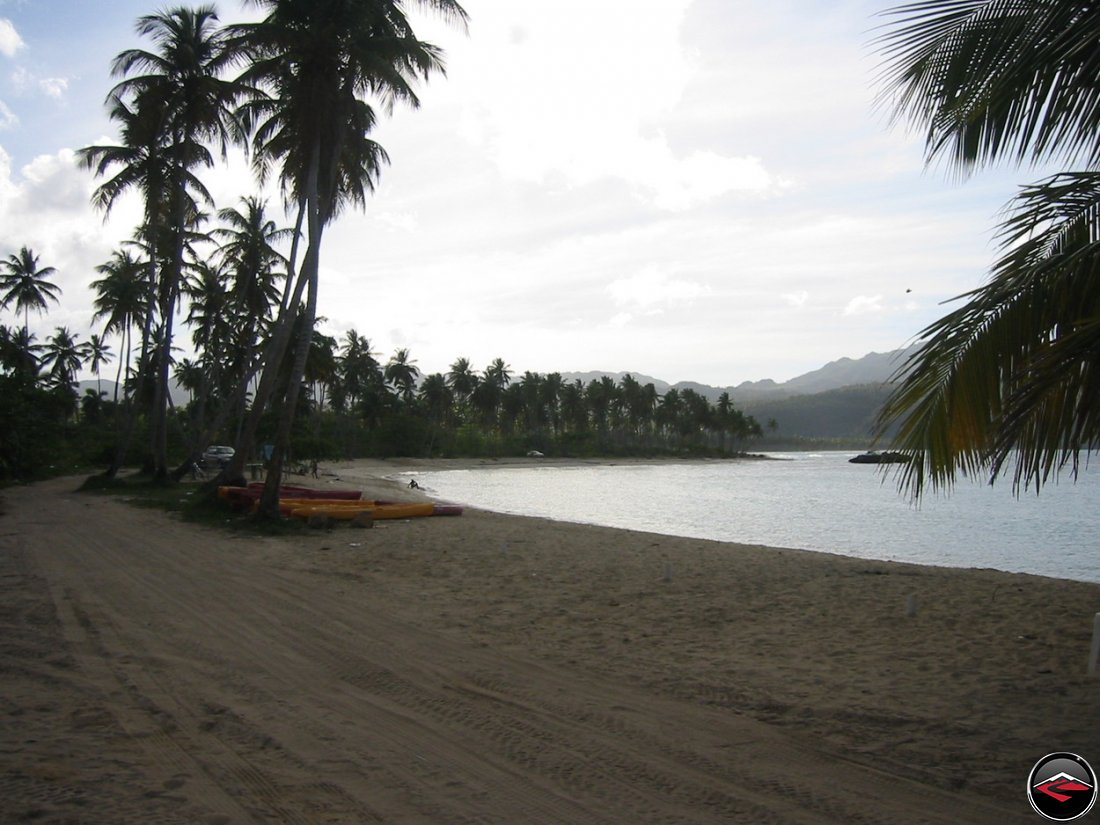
300	90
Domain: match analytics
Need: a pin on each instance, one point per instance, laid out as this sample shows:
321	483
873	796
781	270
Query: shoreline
382	478
491	666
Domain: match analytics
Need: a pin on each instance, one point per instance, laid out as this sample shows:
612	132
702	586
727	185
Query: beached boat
303	502
886	457
377	511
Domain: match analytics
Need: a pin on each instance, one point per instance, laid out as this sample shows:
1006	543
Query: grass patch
193	503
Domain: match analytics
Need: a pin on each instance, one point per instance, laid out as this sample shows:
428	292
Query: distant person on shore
313	468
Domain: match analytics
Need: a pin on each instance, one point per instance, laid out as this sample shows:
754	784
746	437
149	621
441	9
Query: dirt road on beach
153	671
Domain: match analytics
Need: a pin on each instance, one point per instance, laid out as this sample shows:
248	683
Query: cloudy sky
687	189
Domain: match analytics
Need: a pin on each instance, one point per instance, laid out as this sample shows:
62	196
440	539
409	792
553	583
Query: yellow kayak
344	512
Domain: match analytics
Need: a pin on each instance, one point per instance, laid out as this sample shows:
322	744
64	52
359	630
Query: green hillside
846	413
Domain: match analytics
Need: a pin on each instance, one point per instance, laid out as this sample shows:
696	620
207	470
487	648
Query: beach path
159	672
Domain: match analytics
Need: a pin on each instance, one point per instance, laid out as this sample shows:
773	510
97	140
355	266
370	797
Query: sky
693	190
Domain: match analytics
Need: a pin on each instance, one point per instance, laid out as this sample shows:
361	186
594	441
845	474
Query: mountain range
873	368
837	401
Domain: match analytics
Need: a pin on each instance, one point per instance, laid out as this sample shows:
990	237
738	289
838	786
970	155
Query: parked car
217	456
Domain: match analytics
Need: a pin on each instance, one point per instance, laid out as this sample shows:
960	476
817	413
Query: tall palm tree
96	353
356	367
27	285
122	297
19	353
401	373
248	248
462	380
180	86
319	60
435	397
489	393
63	357
1012	375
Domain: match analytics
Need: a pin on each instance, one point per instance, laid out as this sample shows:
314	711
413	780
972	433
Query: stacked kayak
338	505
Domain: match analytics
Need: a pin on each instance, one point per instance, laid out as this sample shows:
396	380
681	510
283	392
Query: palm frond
1011	376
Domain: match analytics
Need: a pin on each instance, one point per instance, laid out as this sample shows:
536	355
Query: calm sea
813	501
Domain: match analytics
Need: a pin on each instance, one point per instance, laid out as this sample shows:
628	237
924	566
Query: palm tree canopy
97	352
183	78
63	356
26	285
992	79
320	60
121	294
1012	375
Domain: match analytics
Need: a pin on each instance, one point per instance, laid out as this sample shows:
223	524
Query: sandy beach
497	669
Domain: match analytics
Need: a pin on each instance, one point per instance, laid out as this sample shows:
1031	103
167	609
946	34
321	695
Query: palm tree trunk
146	333
272	360
269	501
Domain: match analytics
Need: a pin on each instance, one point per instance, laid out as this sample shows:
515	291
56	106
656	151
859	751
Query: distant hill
873	368
838	400
107	387
845	412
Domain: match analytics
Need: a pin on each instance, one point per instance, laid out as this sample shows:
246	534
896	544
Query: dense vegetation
297	90
353	405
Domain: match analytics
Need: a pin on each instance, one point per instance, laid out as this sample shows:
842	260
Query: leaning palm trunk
272	359
130	416
269	502
168	313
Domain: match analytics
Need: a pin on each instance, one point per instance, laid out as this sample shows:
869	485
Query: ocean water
812	501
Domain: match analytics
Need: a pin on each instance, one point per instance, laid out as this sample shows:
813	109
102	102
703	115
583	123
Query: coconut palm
319	60
19	353
180	87
63	357
401	373
96	353
462	380
26	285
255	266
122	297
1012	375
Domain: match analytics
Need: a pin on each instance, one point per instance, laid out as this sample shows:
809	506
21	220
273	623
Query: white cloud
571	118
8	118
651	289
863	304
44	205
24	83
797	299
10	41
54	87
397	221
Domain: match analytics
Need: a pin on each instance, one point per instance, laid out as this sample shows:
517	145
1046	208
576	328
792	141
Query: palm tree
489	392
436	398
181	84
248	249
96	354
462	380
1011	375
22	282
19	353
401	373
356	367
122	298
319	60
63	356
